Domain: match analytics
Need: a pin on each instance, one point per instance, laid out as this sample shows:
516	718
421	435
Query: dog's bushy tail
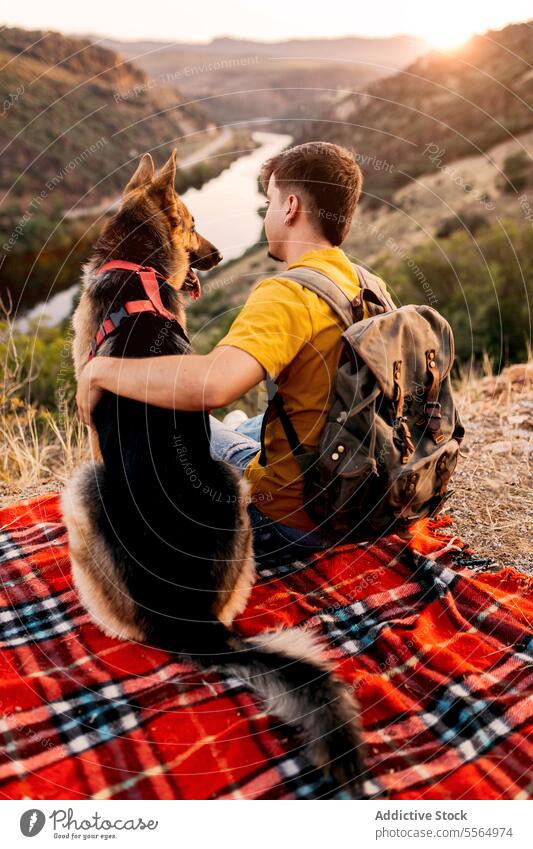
286	670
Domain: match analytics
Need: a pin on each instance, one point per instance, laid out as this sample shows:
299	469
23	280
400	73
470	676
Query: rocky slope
243	80
74	116
441	107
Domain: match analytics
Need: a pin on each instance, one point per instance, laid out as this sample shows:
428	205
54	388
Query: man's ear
163	182
292	205
143	175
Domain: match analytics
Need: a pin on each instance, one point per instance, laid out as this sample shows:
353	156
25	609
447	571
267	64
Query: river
225	210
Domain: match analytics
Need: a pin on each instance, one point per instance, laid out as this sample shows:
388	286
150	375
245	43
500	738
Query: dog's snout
205	257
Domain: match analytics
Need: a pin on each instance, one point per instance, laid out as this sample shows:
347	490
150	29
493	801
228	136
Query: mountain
395	51
74	116
441	107
243	80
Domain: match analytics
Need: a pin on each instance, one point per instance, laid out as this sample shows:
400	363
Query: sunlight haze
443	25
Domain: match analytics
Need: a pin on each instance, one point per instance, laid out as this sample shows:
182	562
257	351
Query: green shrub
484	287
42	363
518	169
464	220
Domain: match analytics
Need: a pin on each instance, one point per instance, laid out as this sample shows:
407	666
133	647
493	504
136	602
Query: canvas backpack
392	434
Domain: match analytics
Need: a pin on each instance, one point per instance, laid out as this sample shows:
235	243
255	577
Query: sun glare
448	36
450	30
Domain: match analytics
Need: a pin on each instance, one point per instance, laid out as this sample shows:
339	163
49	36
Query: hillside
74	116
396	49
443	106
246	80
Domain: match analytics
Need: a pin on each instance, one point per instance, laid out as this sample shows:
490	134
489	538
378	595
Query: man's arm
195	382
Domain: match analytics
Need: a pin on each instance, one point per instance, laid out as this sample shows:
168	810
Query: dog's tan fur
240	573
156	198
101	591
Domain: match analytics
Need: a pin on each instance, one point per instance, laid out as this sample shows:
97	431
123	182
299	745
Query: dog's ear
163	182
143	175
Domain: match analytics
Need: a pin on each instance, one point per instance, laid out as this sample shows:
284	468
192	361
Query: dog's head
153	193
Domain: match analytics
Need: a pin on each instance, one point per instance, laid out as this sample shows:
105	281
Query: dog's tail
287	671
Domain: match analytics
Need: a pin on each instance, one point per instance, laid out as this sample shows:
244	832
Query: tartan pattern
439	656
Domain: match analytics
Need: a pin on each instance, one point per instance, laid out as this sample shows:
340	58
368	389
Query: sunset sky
444	24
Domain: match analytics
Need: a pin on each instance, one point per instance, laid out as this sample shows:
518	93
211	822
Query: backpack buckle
432	411
433	419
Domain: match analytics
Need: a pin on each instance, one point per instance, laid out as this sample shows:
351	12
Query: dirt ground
492	505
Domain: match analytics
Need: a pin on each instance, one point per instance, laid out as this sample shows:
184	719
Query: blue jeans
272	540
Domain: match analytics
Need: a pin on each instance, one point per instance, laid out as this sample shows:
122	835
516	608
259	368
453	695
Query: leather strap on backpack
432	409
402	435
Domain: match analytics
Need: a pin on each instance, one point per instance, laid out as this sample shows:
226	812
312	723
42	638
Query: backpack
392	435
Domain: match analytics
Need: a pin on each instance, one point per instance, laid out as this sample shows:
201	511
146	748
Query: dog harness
152	303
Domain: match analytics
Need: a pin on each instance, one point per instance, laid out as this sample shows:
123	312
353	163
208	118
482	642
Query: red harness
152	303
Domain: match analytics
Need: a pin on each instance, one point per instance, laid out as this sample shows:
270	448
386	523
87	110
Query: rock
522	419
520	431
500	447
522	446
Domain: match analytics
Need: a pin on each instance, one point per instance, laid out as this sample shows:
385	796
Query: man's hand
89	393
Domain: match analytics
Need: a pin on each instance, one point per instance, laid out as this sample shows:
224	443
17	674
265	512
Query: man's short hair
329	179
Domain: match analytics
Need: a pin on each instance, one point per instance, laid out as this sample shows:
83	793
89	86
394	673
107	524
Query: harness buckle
117	316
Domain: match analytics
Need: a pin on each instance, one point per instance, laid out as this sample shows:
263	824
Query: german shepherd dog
162	554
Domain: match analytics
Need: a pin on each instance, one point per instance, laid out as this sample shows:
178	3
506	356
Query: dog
156	556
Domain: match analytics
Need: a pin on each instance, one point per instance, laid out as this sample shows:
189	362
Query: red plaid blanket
439	656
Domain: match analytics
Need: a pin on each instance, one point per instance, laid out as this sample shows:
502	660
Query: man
284	331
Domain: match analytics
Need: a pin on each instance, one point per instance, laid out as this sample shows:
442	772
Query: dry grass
492	505
40	450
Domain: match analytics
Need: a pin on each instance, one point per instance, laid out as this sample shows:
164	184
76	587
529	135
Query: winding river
225	210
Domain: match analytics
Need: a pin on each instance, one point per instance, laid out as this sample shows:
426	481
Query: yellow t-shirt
296	336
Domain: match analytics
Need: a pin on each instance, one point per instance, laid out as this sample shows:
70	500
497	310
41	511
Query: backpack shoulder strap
348	311
322	285
372	282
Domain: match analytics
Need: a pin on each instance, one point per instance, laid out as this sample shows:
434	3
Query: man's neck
297	248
